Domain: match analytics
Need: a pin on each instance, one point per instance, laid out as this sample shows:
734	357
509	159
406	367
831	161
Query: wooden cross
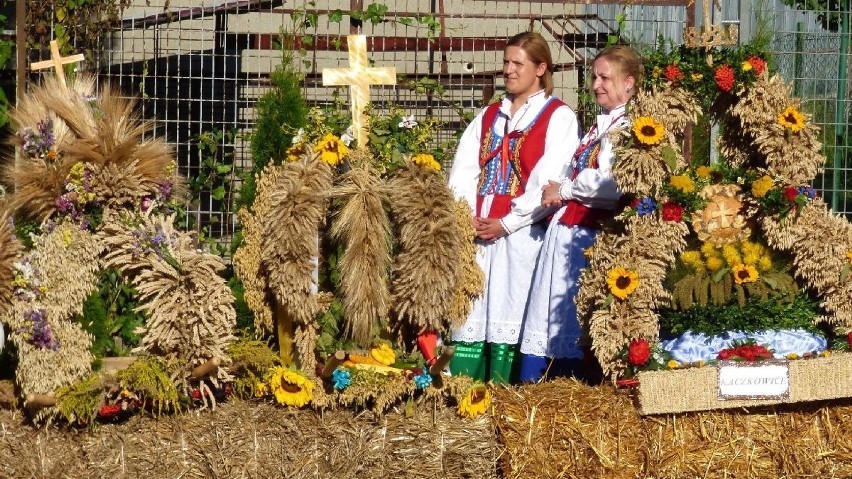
57	61
358	77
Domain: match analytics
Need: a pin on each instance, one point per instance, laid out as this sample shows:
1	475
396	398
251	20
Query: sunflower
744	273
290	387
648	130
331	149
792	118
426	161
622	282
476	402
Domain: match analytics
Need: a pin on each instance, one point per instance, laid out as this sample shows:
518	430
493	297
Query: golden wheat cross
57	61
359	77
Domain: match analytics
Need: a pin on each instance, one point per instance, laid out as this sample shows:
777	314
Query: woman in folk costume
550	343
504	159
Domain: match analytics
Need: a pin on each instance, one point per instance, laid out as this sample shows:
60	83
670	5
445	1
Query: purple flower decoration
646	206
40	334
165	189
807	191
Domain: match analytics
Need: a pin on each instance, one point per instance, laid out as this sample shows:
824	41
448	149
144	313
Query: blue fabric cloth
533	368
692	347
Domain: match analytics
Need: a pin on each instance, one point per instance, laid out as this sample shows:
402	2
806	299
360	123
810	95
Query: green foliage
6	49
251	359
780	312
149	379
245	318
78	403
697	75
24	230
110	316
280	113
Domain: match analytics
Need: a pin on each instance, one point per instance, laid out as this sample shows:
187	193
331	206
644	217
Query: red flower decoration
639	352
673	74
672	212
849	338
791	193
109	410
725	78
759	64
746	352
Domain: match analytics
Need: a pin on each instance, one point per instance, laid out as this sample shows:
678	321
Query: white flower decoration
348	136
299	136
408	122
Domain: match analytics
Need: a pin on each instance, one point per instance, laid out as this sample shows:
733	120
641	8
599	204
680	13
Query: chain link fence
200	67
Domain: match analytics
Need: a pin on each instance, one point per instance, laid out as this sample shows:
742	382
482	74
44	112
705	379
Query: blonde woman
550	343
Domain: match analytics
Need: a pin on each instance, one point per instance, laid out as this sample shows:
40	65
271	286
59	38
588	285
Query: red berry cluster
759	64
725	78
673	74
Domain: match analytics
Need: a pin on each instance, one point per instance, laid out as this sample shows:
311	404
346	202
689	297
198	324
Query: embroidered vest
576	213
506	178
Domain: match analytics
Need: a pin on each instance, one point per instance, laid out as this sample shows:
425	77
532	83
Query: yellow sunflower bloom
704	172
761	186
648	130
331	149
714	263
290	387
682	183
745	274
622	282
476	402
792	118
426	161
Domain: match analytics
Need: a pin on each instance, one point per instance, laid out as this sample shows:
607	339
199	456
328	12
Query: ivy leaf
720	274
608	301
669	157
336	16
407	21
223	168
218	193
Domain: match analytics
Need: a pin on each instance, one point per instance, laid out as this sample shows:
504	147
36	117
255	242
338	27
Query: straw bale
567	429
249	439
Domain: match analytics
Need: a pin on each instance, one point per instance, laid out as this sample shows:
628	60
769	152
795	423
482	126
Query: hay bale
249	439
566	429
